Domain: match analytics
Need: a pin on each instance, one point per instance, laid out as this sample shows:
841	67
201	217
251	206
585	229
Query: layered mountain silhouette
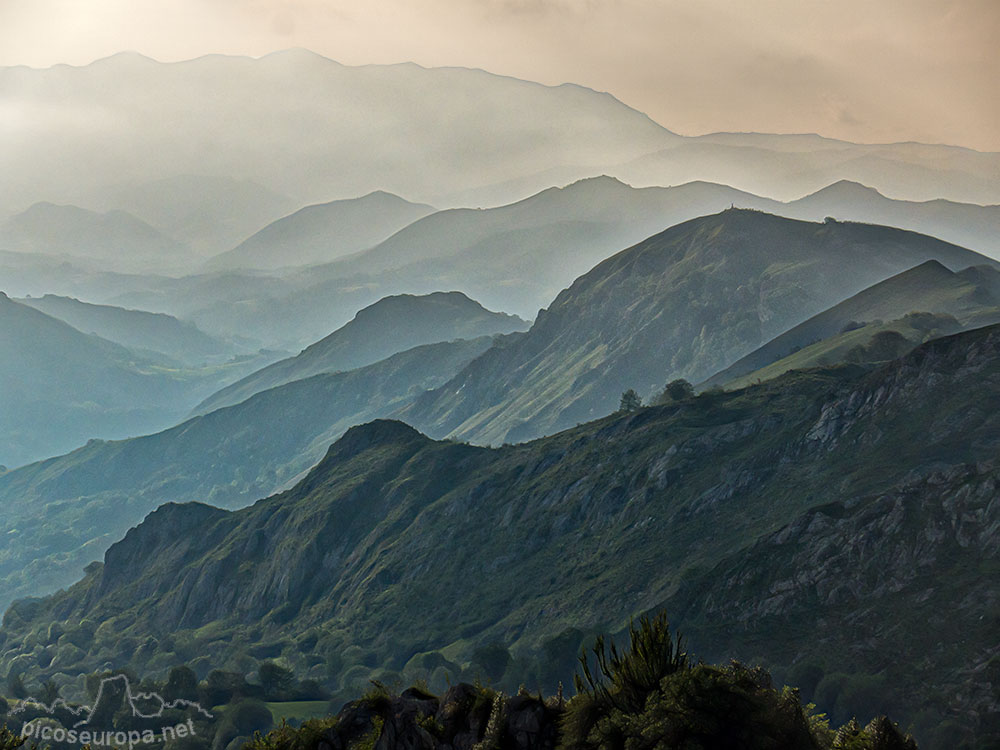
525	253
338	131
391	325
335	130
231	457
765	511
120	241
136	329
682	304
788	166
324	232
209	213
514	258
59	387
967	296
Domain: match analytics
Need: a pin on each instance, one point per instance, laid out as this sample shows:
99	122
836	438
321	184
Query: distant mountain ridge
391	325
210	213
929	287
324	232
136	329
682	304
337	130
515	258
973	226
520	256
115	238
495	139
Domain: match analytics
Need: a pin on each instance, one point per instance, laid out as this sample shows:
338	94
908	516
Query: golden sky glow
863	70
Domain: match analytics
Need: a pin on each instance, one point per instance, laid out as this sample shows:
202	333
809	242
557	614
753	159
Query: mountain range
635	315
396	545
443	136
208	213
391	325
62	387
514	258
559	370
67	510
517	257
334	131
684	303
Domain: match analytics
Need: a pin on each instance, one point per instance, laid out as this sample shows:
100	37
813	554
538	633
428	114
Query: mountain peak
298	54
127	57
411	301
932	266
375	434
846	189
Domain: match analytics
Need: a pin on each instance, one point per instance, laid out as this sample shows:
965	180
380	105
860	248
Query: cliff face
897	586
842	518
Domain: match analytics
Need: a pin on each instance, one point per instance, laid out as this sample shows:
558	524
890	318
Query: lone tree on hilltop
630	401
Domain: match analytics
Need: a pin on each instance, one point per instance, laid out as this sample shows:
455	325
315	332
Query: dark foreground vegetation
650	695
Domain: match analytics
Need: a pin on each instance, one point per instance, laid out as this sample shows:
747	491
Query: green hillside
66	511
395	545
874	342
682	304
970	297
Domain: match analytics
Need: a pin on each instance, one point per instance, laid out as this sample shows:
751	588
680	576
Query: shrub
651	697
181	683
286	737
11	741
676	390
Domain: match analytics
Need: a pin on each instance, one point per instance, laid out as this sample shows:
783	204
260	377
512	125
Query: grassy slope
970	296
857	345
684	303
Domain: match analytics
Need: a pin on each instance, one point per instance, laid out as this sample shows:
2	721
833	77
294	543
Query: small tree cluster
675	390
651	697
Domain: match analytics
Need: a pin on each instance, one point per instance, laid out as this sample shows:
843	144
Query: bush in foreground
649	696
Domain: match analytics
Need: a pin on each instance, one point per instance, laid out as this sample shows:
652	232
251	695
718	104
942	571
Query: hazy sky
864	70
